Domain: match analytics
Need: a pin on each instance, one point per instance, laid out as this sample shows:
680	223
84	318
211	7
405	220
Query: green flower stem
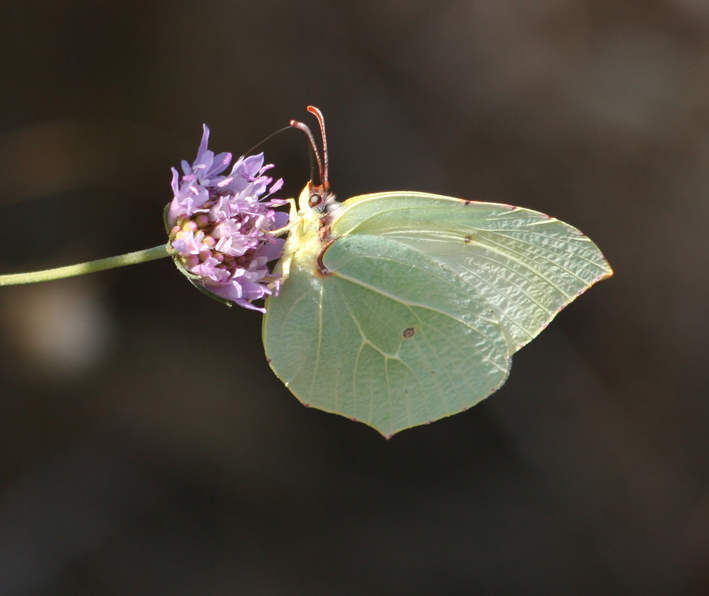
132	258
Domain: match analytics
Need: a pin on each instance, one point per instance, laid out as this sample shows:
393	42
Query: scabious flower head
219	225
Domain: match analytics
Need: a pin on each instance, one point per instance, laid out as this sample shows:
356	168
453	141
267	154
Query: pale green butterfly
399	308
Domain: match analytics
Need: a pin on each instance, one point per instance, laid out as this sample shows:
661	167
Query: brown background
145	446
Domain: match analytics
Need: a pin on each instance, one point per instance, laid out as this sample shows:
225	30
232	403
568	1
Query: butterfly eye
315	199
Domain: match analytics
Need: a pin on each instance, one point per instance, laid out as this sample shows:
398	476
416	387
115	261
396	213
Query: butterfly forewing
526	265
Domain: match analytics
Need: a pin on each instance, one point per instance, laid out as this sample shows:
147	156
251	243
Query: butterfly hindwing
388	337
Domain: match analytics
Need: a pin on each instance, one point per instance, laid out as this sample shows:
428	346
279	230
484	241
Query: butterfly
400	308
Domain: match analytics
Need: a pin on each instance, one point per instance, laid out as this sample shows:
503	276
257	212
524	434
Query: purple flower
219	225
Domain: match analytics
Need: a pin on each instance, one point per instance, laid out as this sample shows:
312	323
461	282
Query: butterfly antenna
323	162
324	172
268	138
306	130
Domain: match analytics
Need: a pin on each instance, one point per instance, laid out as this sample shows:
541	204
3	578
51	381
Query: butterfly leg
293	211
293	219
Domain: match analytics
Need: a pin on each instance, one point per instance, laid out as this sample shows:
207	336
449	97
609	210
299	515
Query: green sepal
193	279
165	213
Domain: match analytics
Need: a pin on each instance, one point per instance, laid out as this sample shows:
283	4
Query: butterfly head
315	197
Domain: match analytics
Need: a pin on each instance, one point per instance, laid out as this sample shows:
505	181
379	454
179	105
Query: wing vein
411	303
317	354
547	259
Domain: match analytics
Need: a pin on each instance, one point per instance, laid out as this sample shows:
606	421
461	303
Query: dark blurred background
145	446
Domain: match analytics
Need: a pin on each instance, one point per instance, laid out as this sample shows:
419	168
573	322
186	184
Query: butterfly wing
389	338
526	265
425	299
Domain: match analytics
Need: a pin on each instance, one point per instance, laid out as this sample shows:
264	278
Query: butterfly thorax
310	236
